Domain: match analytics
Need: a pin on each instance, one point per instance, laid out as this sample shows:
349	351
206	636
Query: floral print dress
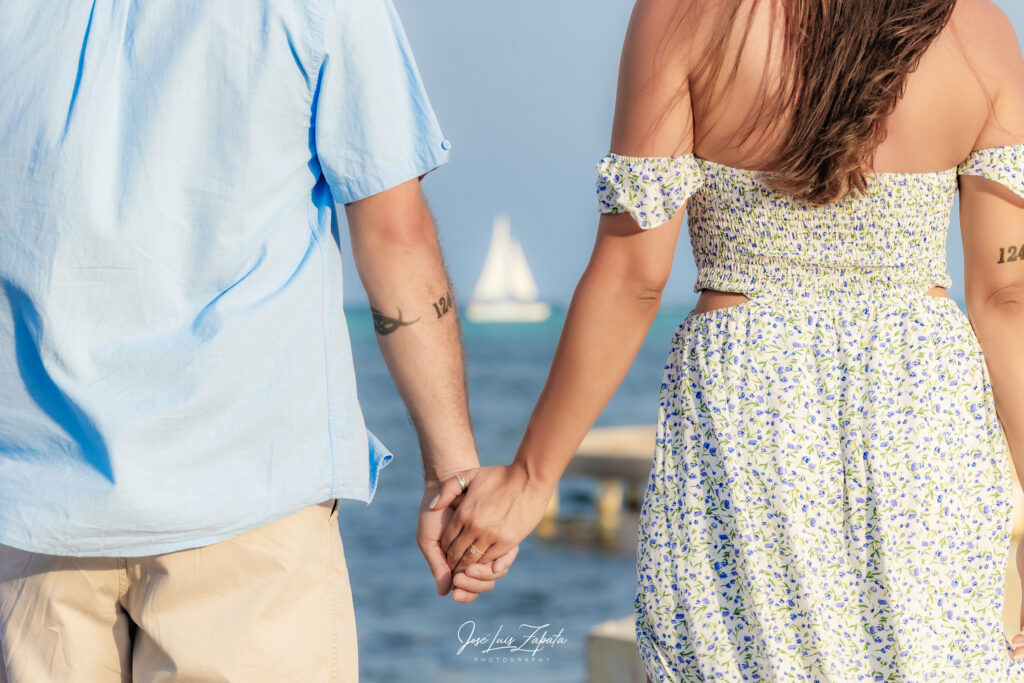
830	497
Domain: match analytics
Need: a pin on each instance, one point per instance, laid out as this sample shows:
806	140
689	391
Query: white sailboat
506	290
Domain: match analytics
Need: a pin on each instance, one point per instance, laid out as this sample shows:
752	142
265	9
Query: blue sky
525	93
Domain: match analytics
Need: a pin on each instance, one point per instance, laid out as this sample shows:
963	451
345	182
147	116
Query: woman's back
957	86
944	113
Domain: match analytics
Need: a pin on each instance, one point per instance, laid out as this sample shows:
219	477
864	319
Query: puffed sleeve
651	189
374	127
1005	165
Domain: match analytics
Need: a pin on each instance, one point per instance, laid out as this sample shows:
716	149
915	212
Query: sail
521	284
493	282
505	291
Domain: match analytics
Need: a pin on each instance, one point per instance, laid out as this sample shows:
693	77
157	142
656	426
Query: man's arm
399	260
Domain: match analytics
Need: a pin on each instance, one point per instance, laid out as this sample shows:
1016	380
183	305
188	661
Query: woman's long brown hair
845	68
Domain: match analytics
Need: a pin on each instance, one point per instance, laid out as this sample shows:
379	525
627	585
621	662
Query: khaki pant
271	604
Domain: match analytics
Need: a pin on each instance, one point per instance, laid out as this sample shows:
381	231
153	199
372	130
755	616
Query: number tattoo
443	305
1011	254
385	325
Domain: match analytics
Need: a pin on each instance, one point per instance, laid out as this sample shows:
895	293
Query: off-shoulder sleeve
1005	165
651	189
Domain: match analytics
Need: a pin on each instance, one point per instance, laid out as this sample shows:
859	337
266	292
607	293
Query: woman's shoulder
981	14
990	44
987	35
657	21
680	23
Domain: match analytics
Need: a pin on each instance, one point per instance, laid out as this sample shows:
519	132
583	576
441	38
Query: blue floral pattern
830	496
1004	165
651	189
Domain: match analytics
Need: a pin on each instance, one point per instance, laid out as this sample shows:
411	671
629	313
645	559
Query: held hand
478	578
499	508
469	582
428	534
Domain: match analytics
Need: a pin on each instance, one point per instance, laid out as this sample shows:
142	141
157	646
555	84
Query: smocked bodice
747	237
750	238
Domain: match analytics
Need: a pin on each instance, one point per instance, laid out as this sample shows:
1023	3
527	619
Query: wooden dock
620	459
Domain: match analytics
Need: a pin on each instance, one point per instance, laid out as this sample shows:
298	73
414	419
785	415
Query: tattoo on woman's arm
1011	253
385	325
443	305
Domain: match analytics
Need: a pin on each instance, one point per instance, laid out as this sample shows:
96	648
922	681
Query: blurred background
525	94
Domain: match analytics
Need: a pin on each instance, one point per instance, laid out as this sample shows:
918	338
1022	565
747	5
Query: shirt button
446	145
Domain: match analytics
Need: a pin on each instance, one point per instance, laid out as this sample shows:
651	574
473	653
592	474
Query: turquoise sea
407	633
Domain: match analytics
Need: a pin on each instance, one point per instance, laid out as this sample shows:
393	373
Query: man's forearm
417	325
418	332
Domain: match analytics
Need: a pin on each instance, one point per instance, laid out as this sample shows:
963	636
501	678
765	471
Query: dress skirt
830	497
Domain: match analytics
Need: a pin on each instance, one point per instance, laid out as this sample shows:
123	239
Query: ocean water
564	585
560	586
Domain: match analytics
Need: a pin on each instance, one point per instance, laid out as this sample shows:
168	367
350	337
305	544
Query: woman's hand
498	509
469	583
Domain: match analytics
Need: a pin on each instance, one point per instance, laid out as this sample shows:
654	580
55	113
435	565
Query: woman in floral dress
830	497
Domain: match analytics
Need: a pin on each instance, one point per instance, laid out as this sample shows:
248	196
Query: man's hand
468	583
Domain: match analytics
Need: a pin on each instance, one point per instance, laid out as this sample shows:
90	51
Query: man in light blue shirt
175	369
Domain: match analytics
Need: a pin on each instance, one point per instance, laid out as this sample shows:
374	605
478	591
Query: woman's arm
992	225
611	311
992	230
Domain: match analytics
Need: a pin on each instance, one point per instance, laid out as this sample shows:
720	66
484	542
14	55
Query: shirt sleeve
374	127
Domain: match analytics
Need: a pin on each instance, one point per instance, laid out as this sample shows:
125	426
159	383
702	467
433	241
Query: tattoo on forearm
385	325
1011	253
443	305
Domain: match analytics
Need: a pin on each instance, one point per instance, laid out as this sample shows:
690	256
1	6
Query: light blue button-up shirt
174	362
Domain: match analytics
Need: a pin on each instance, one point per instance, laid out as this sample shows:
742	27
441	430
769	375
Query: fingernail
434	502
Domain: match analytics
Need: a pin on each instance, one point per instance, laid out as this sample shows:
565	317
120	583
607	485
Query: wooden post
611	653
549	522
634	496
609	505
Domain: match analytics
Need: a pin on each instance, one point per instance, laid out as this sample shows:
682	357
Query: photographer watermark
530	643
